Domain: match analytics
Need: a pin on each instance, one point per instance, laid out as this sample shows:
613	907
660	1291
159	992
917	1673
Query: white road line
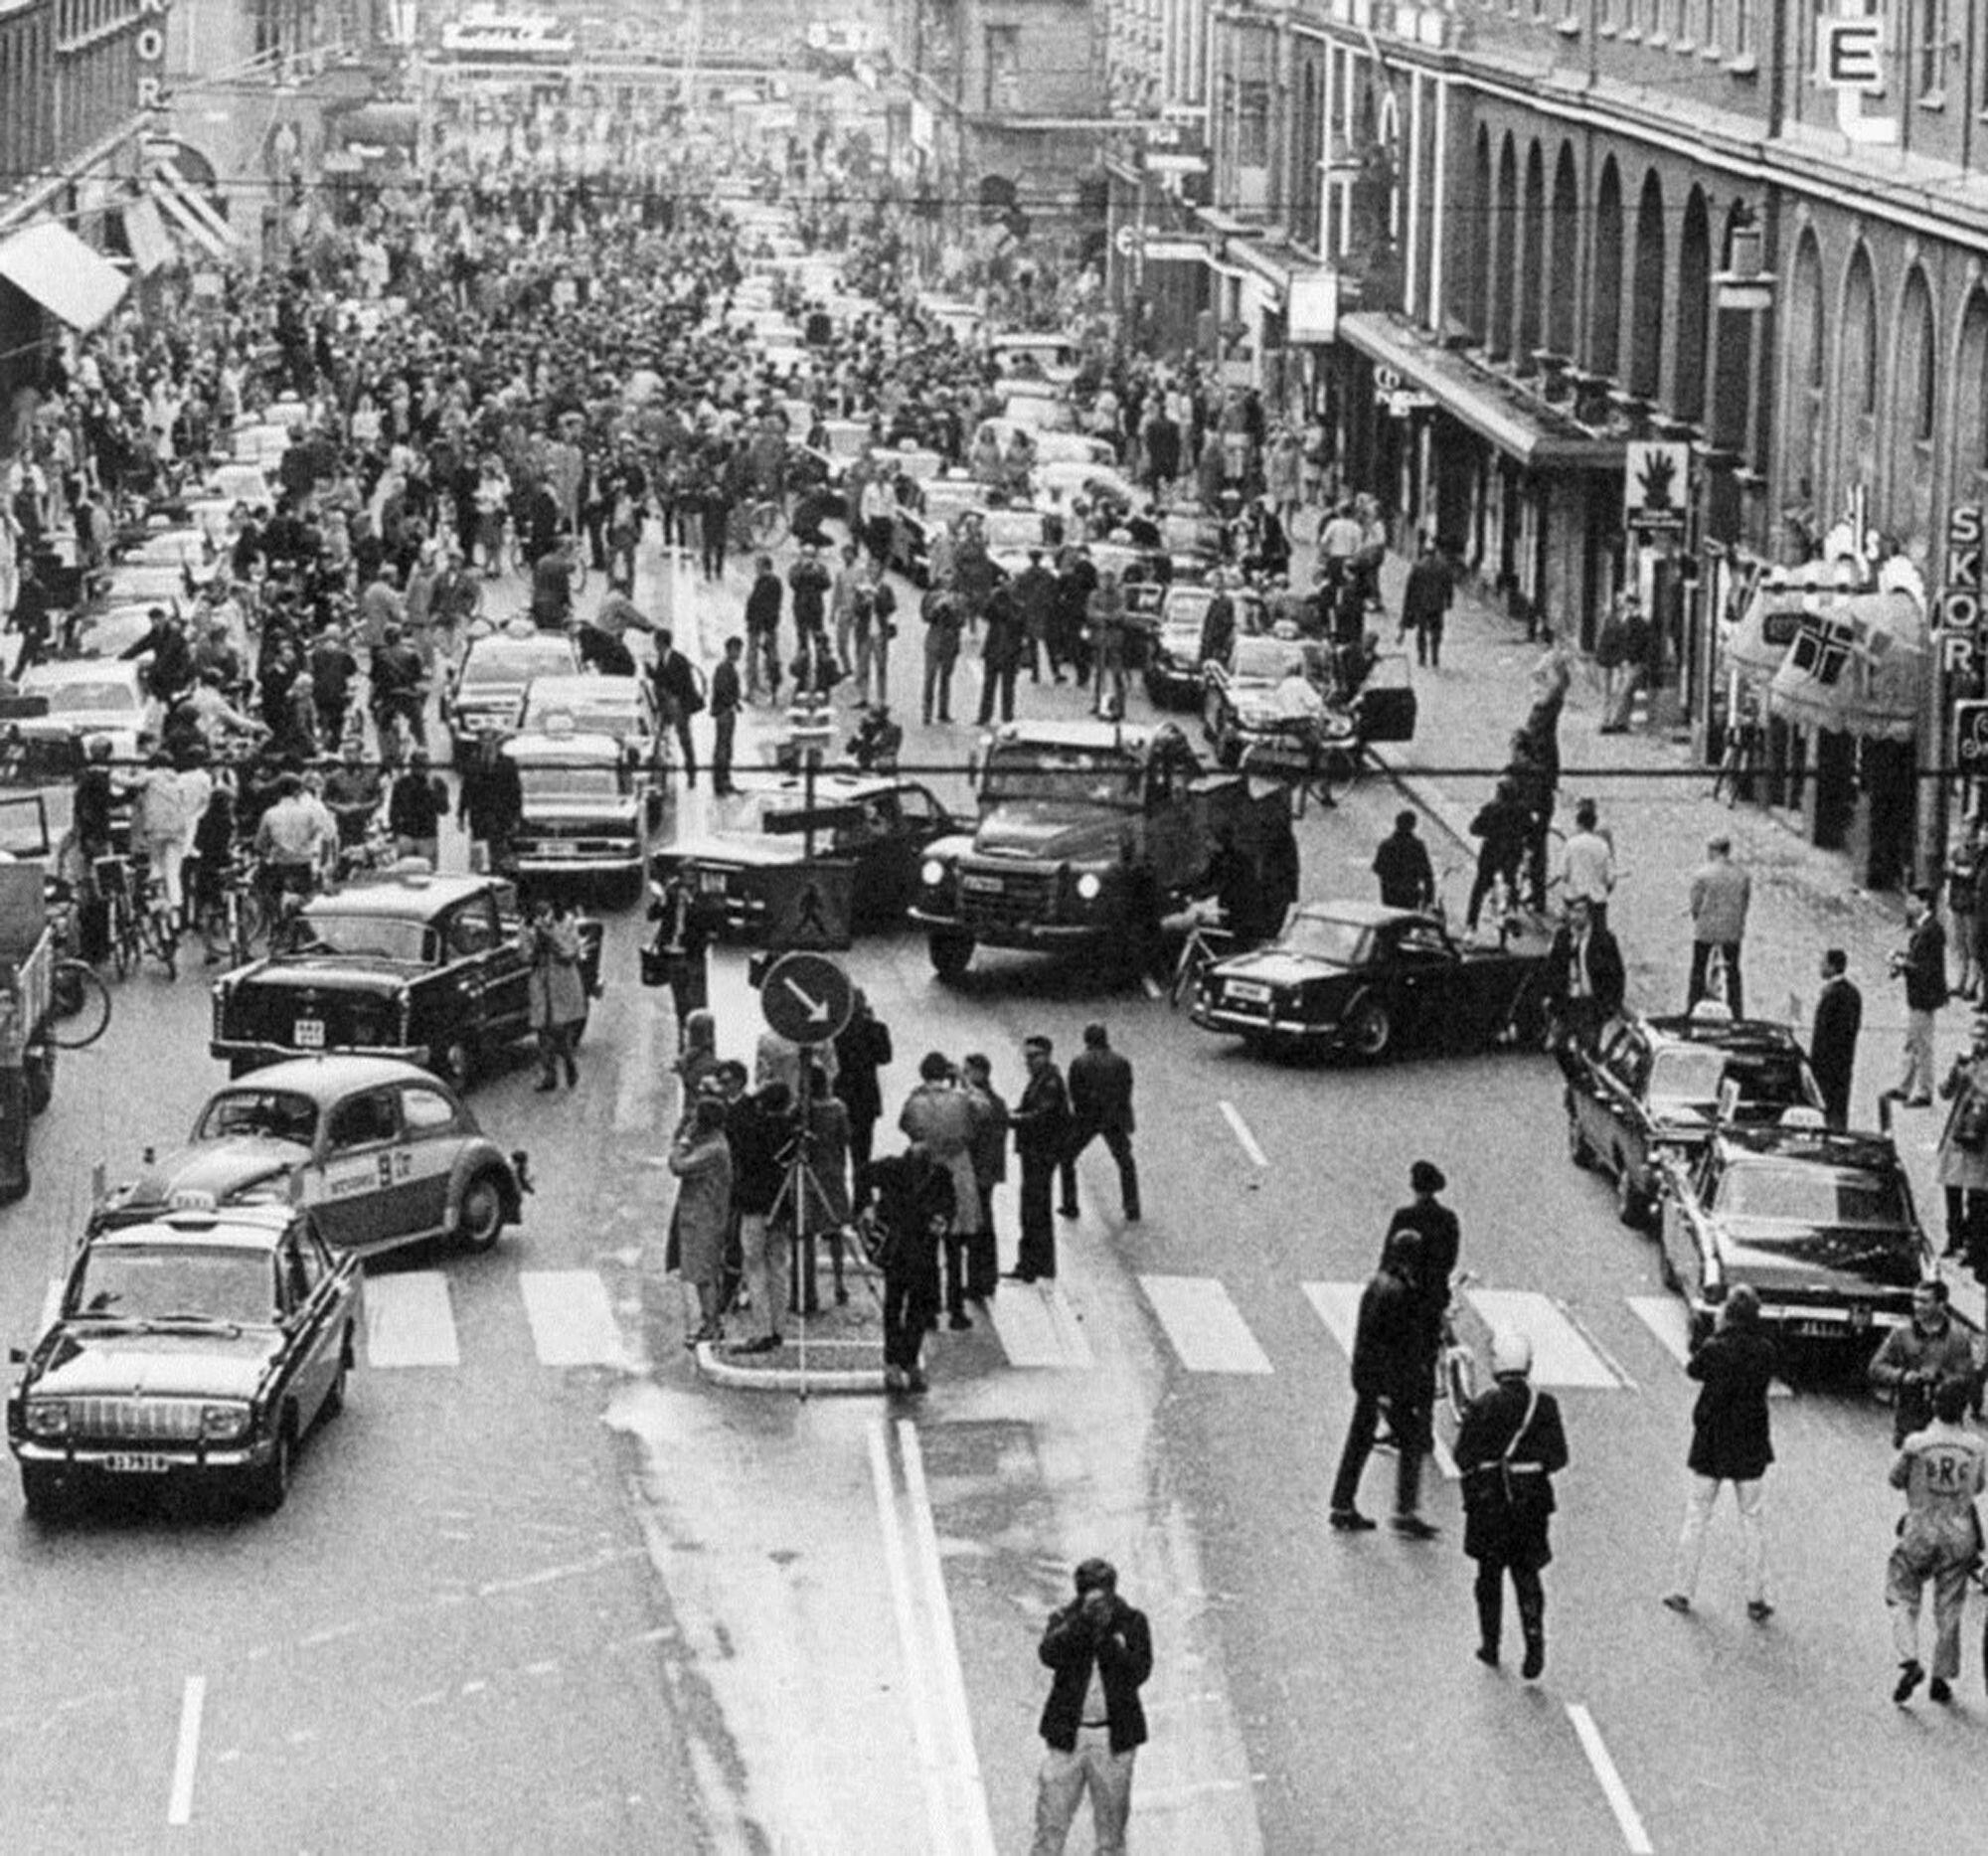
179	1808
1206	1327
572	1321
970	1814
1241	1130
1338	1305
1612	1789
1665	1317
910	1643
408	1322
1561	1353
1037	1327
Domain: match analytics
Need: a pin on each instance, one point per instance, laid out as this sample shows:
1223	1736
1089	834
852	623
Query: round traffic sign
806	998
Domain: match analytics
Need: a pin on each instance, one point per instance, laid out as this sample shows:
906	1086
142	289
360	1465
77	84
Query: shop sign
1970	735
149	47
1655	486
1961	618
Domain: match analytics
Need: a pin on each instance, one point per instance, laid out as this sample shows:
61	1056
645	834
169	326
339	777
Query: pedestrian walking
1961	1160
1922	964
701	1159
1391	1365
1720	893
1001	654
1425	603
1587	864
1401	862
944	620
758	1129
861	1050
938	1119
727	697
1832	1039
1931	1350
491	803
912	1214
686	924
1941	1470
1100	1105
678	697
549	941
1731	1441
1509	1447
416	804
1587	983
1962	878
763	631
1100	1652
1502	827
1041	1125
990	1168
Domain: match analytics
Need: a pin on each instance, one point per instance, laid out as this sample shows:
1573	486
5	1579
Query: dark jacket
1606	979
861	1050
1427	594
1391	1343
758	1136
1729	1439
417	804
1101	1090
762	604
1042	1116
1121	1650
1832	1042
1506	1505
1407	881
1926	967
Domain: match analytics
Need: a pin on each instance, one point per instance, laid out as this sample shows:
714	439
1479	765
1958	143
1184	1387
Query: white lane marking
910	1641
1241	1130
1038	1327
50	1307
1338	1307
572	1321
179	1808
1612	1789
408	1322
1561	1353
1206	1327
1665	1317
969	1805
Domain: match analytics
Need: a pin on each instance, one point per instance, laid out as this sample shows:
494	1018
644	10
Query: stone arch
1967	434
1646	292
1562	265
1605	308
1478	242
1532	279
1911	417
1504	221
1807	339
1694	310
1856	370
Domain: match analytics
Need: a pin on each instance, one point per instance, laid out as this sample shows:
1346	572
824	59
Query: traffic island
840	1349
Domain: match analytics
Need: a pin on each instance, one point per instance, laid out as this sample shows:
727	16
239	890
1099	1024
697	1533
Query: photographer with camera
1922	964
878	740
1931	1350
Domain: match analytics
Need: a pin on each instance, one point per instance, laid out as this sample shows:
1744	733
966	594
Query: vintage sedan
622	706
88	700
381	1152
1173	672
1370	980
1662	1085
486	693
1264	707
1820	1225
588	805
422	969
879	823
194	1344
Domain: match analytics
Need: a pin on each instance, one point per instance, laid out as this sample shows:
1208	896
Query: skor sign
1963	596
150	49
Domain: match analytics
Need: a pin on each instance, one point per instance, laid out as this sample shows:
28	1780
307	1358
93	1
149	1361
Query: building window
1004	68
1742	28
1930	20
1252	124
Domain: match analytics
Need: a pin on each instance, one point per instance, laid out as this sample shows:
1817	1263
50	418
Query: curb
833	1380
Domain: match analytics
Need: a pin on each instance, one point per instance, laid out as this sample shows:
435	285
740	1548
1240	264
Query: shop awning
1489	403
71	281
1857	667
151	245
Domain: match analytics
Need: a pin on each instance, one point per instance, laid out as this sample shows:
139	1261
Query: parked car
88	699
194	1345
1663	1084
1820	1225
1174	663
1374	981
424	969
487	692
588	809
1263	706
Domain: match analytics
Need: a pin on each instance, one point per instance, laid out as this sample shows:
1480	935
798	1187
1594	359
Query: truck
1089	834
27	1050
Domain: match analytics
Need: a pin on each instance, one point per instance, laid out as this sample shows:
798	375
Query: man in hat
1509	1449
1041	1121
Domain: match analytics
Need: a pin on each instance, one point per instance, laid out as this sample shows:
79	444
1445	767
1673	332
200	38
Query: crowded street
591	1553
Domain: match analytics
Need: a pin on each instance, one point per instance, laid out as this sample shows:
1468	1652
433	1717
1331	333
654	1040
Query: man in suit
677	697
1586	980
1100	1103
1922	966
1720	894
1040	1121
726	696
1832	1044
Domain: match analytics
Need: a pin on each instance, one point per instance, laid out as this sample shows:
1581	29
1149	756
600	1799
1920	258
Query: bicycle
235	925
80	1003
1455	1362
1206	943
152	917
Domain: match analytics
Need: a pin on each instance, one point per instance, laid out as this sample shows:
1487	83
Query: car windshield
78	698
606	718
1267	661
1009	529
1691	1076
518	660
144	1282
373	937
272	1114
573	782
1326	938
1056	775
1810	1195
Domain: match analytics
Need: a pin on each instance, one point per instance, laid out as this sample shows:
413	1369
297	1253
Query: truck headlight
931	873
222	1423
48	1418
1088	886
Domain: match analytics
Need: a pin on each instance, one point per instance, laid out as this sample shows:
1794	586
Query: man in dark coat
1001	654
763	631
1425	603
1407	881
1391	1364
491	803
1586	980
677	696
1040	1121
1509	1447
727	697
862	1048
1731	1442
914	1207
1101	1103
1832	1042
1102	1652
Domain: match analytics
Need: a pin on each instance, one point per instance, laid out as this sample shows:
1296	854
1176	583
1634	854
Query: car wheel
1632	1204
950	955
479	1214
42	1491
1577	1150
334	1399
269	1486
454	1062
1370	1029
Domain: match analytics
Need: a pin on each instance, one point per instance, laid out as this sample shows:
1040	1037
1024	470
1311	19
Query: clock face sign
806	998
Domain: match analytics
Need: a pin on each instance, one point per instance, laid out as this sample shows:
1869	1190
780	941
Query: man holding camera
1931	1350
1922	964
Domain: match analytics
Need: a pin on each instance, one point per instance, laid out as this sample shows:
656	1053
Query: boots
1533	1620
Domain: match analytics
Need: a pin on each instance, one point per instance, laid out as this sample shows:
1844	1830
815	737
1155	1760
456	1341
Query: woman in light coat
700	1158
551	942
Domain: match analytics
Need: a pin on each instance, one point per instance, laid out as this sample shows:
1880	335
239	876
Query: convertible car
1372	981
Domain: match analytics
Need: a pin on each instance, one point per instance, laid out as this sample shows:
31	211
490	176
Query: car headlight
933	873
219	1422
48	1418
1088	885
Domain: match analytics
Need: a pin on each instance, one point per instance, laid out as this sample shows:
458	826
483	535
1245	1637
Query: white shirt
1588	866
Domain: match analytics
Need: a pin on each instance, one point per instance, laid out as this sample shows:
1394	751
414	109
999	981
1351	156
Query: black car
1662	1085
1173	670
425	968
1370	980
1820	1225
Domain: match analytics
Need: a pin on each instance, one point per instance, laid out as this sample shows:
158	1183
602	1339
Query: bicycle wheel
160	941
1187	968
769	524
80	1003
577	574
124	938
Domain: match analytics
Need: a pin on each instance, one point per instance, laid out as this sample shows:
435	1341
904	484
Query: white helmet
1511	1352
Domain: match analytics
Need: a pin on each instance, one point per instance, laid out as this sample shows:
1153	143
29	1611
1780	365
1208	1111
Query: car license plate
1246	992
710	881
308	1034
984	886
131	1465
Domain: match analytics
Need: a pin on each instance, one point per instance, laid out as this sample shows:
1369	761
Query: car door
1683	1226
1614	1082
431	1125
1419	971
304	1281
365	1201
489	981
